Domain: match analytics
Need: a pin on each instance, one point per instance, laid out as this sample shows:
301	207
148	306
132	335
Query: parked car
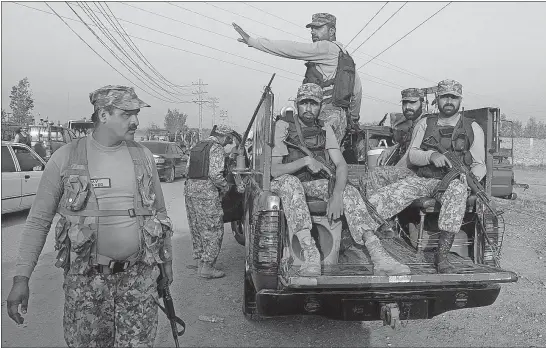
170	159
22	170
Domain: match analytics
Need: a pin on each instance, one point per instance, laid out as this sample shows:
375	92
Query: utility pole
213	102
223	116
200	102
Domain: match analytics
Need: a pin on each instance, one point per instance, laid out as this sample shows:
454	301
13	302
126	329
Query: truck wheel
171	176
238	232
513	196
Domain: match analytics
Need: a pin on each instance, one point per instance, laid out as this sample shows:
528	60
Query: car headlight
159	159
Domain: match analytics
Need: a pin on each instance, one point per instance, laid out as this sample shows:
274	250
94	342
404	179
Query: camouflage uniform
335	117
382	176
203	206
292	193
111	310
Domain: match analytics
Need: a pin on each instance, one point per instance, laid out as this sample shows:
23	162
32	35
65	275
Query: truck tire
238	232
249	300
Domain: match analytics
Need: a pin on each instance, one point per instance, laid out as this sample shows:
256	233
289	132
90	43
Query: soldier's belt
107	265
101	213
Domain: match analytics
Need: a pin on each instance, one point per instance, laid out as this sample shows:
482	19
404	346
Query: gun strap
176	319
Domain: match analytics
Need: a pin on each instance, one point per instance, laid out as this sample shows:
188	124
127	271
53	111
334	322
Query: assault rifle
331	182
165	293
459	168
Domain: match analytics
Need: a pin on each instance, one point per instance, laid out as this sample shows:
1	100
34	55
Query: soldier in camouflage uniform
297	175
205	187
382	175
321	58
112	232
432	166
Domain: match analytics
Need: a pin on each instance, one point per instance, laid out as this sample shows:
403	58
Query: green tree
507	126
175	121
21	102
531	128
4	116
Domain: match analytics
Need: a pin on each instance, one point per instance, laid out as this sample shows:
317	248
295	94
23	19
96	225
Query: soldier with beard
463	137
322	62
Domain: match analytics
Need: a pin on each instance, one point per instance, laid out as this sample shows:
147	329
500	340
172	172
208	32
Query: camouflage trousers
382	176
206	220
292	193
392	199
336	117
111	310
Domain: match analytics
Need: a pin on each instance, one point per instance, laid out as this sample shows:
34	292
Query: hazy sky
497	50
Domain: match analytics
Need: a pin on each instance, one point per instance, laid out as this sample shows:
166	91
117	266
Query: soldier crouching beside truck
112	233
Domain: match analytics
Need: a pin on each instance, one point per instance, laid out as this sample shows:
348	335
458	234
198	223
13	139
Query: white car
22	170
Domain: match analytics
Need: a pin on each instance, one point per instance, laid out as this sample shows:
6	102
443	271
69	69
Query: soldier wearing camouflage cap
112	233
297	174
205	187
461	136
322	59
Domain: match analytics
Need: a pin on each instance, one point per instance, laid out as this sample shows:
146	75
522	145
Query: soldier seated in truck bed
298	171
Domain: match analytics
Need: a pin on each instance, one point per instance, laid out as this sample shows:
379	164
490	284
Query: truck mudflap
377	304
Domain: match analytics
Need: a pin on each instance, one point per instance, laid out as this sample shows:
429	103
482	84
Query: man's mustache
453	106
133	127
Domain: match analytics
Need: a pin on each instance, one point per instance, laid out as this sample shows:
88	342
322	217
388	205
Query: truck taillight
266	241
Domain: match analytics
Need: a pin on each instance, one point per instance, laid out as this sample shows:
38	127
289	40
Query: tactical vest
198	168
457	140
314	138
338	90
77	229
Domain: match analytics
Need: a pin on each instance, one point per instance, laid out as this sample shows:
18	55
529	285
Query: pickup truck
348	289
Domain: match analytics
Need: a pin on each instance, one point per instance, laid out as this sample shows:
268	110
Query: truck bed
360	272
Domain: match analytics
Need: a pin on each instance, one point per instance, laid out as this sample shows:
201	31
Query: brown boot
441	260
383	263
209	272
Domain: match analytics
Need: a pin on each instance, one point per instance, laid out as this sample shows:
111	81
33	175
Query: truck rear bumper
365	305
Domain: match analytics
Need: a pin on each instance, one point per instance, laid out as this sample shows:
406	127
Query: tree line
533	128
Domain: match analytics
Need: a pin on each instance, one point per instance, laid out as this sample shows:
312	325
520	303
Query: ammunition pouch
76	192
62	244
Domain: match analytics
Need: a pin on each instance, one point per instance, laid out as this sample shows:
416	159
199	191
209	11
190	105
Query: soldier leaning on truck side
205	187
322	58
112	232
466	141
296	175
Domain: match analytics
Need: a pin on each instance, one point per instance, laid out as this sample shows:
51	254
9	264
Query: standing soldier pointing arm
112	232
341	86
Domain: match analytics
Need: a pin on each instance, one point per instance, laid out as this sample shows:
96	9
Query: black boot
440	258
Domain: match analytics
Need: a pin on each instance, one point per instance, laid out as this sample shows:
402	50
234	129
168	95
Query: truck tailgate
423	272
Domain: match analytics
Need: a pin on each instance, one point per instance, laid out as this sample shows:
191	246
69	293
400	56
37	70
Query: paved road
194	296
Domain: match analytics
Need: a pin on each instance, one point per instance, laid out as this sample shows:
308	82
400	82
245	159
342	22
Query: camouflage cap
449	87
320	19
412	94
121	97
221	130
309	91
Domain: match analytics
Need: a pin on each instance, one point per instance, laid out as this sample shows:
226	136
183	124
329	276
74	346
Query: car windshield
39	133
156	147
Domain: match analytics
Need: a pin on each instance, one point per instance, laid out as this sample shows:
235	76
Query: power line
253	20
371	19
381	26
90	13
98	54
131	70
411	31
283	19
203	45
141	55
183	50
